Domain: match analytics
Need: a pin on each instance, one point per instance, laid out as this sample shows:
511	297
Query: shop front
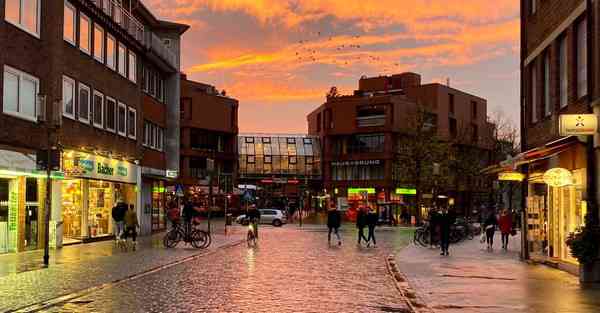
93	184
22	205
154	200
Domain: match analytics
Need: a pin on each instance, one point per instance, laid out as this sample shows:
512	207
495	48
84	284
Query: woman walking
372	218
334	220
505	224
490	228
361	222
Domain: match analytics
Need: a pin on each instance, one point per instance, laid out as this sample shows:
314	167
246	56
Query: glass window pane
110	52
122	63
131	122
99	43
132	67
12	11
98	109
84	103
84	33
27	96
11	92
69	26
29	15
68	97
121	116
110	114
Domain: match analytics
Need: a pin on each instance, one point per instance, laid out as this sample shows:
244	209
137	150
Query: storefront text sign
370	191
558	177
511	176
76	164
356	162
578	124
406	191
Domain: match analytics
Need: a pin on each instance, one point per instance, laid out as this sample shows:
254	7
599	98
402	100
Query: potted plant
585	247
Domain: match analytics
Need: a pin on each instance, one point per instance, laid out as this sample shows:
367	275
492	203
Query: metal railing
157	44
121	16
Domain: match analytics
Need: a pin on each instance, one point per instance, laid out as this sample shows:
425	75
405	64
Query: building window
475	133
68	97
111	108
563	70
533	94
268	159
291	141
161	92
69	26
122	64
453	128
132	67
131	123
582	59
111	53
370	143
25	14
20	93
249	139
121	119
451	103
84	103
99	43
547	101
307	141
98	109
85	40
266	140
250	159
293	159
309	160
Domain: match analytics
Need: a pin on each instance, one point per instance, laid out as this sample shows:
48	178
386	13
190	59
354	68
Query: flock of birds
343	54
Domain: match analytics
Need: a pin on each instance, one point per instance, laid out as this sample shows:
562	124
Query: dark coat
372	218
334	219
118	212
491	220
445	222
361	219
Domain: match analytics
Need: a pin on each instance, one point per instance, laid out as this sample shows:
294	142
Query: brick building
361	136
82	64
209	128
558	75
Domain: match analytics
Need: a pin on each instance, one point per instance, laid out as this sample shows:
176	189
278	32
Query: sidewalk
24	281
474	280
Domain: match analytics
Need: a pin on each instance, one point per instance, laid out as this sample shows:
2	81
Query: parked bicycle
189	234
461	230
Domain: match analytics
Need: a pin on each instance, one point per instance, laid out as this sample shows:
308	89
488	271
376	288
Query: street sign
179	190
578	124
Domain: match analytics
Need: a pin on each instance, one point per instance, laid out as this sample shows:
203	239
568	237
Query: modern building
284	169
79	65
558	75
362	135
209	128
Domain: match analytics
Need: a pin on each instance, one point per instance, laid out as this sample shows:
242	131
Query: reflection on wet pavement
289	271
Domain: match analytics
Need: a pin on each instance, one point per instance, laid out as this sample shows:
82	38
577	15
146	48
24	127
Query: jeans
361	234
335	231
372	234
444	241
120	228
490	236
505	240
132	231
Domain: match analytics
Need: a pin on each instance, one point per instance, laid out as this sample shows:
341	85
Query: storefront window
158	206
31	213
72	208
99	208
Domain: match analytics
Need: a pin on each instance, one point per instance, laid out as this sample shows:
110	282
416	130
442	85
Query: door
31	214
3	215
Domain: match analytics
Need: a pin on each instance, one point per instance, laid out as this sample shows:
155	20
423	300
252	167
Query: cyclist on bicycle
253	218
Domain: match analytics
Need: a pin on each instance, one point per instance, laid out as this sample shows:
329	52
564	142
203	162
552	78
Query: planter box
590	273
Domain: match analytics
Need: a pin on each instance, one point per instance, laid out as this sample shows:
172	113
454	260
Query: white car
267	216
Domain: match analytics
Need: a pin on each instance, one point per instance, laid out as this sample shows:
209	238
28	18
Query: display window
72	208
100	203
158	206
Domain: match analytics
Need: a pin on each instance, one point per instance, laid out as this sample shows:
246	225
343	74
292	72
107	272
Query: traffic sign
179	190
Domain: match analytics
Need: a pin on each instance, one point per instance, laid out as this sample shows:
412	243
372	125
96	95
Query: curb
414	302
78	294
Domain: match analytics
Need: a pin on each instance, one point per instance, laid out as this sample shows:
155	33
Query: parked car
267	216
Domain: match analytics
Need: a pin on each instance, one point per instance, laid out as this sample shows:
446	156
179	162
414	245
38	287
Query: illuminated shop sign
370	191
280	181
172	173
578	124
558	177
406	191
79	164
511	176
356	163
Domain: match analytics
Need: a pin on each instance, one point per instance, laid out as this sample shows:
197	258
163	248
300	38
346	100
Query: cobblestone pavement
23	282
290	270
473	280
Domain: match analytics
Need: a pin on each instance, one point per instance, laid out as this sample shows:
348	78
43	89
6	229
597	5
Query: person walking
433	227
372	219
490	228
445	220
505	225
361	222
131	225
118	215
334	221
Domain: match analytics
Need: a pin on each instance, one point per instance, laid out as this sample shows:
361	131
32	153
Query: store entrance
72	207
99	208
31	214
3	215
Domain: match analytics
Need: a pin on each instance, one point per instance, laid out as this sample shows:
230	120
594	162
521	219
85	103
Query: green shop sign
370	191
406	191
13	210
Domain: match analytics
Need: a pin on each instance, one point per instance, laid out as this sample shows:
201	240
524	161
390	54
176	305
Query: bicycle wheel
208	240
172	238
198	239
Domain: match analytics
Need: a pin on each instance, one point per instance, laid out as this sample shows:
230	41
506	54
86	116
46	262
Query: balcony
122	17
370	121
156	45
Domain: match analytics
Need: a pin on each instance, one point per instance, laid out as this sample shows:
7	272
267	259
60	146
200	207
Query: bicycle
251	237
199	239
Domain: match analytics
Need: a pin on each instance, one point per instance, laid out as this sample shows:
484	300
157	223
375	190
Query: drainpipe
524	169
591	153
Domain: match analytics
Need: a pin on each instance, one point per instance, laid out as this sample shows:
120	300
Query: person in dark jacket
334	220
490	228
361	222
433	227
118	214
445	220
372	219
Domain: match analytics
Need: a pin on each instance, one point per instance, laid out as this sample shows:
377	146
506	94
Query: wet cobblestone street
289	271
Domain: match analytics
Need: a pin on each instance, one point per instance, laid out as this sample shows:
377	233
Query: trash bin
228	219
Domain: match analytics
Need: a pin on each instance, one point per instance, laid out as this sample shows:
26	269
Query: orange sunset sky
280	57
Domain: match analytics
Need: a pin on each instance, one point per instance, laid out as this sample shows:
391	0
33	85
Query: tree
421	156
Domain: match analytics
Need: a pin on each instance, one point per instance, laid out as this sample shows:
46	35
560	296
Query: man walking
131	225
361	222
372	219
445	220
118	215
334	220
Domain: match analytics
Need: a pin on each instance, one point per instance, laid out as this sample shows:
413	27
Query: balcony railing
119	15
156	44
371	121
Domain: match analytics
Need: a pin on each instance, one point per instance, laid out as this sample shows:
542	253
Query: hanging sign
511	176
558	177
578	124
